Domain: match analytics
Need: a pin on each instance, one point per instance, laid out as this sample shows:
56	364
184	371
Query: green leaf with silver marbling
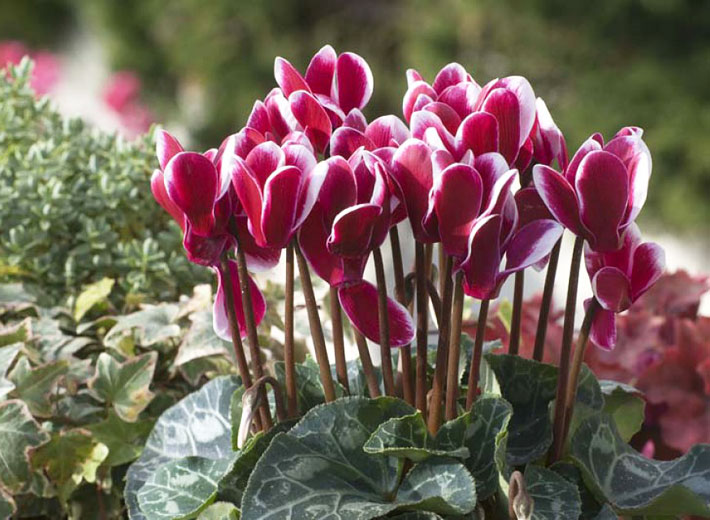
554	497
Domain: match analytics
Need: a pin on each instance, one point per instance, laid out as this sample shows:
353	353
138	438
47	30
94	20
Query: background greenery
599	65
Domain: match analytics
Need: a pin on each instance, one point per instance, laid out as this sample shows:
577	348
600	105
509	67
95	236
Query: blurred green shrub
76	206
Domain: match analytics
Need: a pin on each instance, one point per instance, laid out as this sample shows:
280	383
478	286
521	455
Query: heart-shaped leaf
19	432
625	405
124	440
92	294
200	340
35	385
634	484
220	511
554	497
7	356
152	324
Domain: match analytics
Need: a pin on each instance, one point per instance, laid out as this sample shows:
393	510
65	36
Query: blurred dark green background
599	65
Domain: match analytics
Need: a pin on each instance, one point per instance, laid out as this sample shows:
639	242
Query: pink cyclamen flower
619	278
351	218
602	189
548	142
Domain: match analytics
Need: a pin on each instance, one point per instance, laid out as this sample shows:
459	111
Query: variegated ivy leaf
554	497
7	504
198	425
16	333
151	325
634	484
35	385
319	469
125	386
19	432
93	294
69	458
124	440
7	356
200	341
181	488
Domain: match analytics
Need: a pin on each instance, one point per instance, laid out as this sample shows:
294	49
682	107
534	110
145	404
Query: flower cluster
469	166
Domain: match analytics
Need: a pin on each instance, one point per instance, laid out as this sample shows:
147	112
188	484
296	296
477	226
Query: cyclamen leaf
35	385
19	432
198	425
635	485
406	437
124	385
182	488
555	498
591	507
220	511
625	405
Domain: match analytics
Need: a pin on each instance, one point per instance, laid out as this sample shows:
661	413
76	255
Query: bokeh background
599	65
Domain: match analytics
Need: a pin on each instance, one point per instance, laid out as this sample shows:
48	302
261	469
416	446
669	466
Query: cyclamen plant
471	169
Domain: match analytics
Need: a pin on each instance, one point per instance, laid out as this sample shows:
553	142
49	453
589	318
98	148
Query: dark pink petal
280	200
335	114
423	121
387	131
338	190
421	103
299	156
243	142
259	259
413	92
250	197
160	194
558	196
309	191
451	74
312	117
363	168
312	238
440	160
649	264
259	118
413	76
481	266
288	78
491	167
354	82
280	115
320	71
603	333
498	196
263	160
461	97
166	147
457	197
346	140
531	244
612	289
478	133
504	106
525	155
526	101
412	172
548	143
220	321
634	131
635	155
297	137
602	187
352	230
355	119
530	206
204	250
359	301
191	183
448	116
588	146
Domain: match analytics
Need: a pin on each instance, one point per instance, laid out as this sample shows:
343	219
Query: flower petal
160	194
558	196
424	120
312	117
166	147
635	155
649	264
603	331
351	234
288	78
360	303
412	172
530	206
612	289
299	156
588	146
259	118
482	265
603	187
250	197
309	192
203	250
448	116
282	120
478	133
279	211
387	131
263	160
451	74
461	97
191	183
415	90
220	321
531	244
321	69
312	237
549	143
338	190
355	119
346	140
504	106
259	259
354	82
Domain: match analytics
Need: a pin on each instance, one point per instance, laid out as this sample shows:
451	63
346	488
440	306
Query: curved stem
452	378
405	352
383	316
289	357
422	325
436	302
367	368
442	351
541	333
567	336
315	325
336	317
475	369
514	343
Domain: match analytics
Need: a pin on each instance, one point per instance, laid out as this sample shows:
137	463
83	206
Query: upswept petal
448	116
602	187
590	145
504	106
312	117
559	197
191	183
160	194
648	266
412	77
338	190
478	133
491	167
355	119
531	244
312	237
250	197
412	172
451	74
549	143
352	229
482	265
612	289
494	200
462	98
335	114
279	211
288	78
423	120
263	160
416	89
387	131
242	143
526	100
299	156
309	192
345	141
259	259
259	118
353	82
282	120
166	147
525	155
440	160
635	155
603	331
321	69
530	206
359	301
203	250
220	321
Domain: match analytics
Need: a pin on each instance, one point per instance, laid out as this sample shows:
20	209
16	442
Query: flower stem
422	326
405	352
540	335
452	377
514	343
383	315
436	303
252	334
366	361
577	360
336	317
442	351
475	370
289	357
315	325
567	336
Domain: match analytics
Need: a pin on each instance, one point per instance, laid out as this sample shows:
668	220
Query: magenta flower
619	278
220	322
548	142
602	190
350	218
